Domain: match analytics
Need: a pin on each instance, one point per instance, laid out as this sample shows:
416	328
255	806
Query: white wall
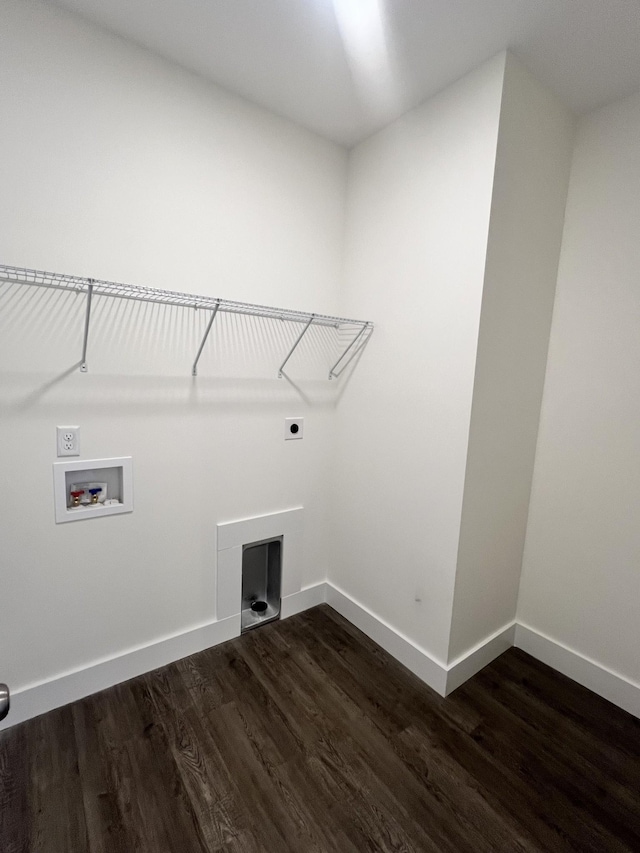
115	164
581	583
419	199
118	165
527	213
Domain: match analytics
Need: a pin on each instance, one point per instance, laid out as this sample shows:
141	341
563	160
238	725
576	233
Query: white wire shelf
97	287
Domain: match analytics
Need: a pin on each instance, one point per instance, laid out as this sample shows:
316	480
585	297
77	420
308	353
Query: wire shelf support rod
87	320
194	369
332	373
293	348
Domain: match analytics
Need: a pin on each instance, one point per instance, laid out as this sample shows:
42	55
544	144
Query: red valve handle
77	494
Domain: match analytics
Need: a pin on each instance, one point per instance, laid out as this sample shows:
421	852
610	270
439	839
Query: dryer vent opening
261	582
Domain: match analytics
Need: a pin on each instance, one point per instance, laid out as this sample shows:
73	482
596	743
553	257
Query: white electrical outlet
68	440
293	428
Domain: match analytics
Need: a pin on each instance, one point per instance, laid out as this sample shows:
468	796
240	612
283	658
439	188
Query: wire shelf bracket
93	287
194	369
87	319
362	337
293	348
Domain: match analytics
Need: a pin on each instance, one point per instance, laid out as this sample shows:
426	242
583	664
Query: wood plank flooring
305	736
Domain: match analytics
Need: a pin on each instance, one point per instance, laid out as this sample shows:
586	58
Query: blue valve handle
95	491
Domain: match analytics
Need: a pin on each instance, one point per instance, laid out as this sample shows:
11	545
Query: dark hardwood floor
305	736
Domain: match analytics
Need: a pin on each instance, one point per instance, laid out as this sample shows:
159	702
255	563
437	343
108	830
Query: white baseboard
596	677
443	679
303	600
45	696
401	648
471	662
39	698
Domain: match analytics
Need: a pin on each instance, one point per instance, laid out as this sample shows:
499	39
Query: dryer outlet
293	428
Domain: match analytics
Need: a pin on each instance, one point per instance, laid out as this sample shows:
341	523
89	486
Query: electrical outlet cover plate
293	428
68	440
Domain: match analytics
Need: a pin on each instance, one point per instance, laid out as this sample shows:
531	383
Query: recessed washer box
114	478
